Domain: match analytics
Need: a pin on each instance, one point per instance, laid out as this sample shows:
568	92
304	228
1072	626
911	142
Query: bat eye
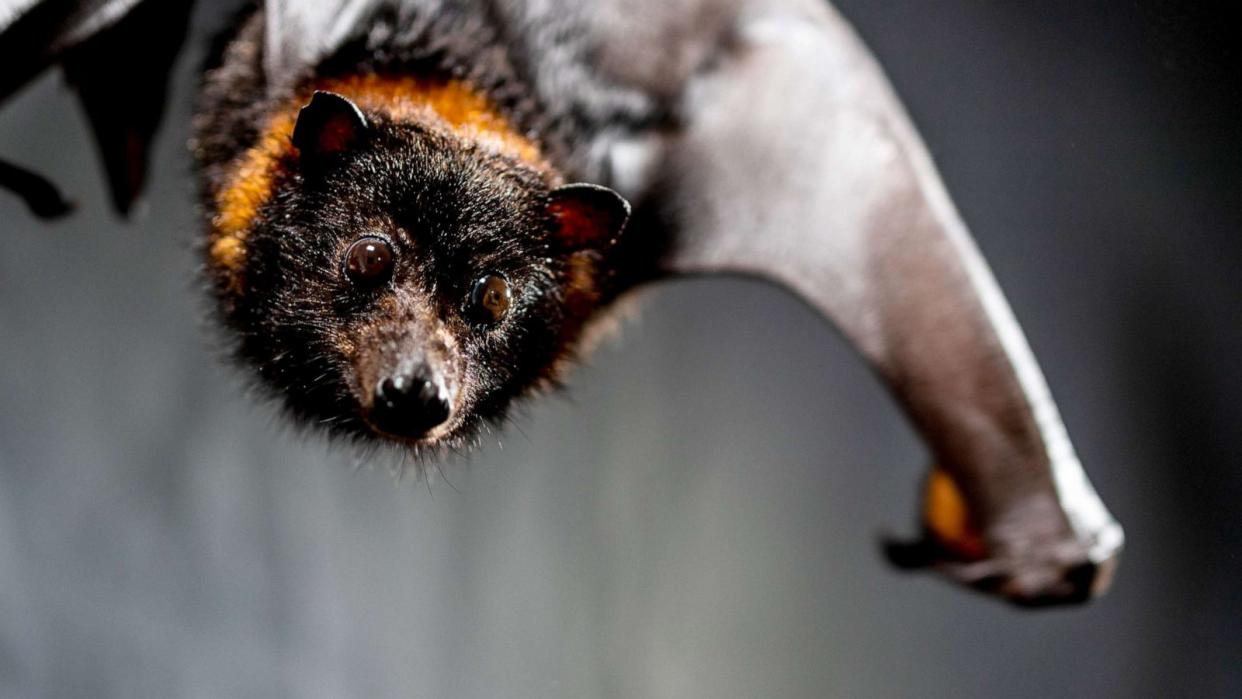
489	299
368	262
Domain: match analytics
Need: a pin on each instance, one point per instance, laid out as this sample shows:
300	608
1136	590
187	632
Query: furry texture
453	207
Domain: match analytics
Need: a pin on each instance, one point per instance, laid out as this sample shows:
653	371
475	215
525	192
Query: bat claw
1026	581
915	554
39	194
1024	558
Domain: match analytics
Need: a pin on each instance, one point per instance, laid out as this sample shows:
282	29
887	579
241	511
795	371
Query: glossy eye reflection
368	262
489	299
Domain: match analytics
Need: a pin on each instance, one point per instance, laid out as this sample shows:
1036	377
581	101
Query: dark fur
452	213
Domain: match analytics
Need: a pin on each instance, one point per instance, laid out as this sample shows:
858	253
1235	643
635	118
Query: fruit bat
417	210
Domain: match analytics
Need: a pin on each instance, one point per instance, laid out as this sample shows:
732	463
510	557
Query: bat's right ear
329	124
587	216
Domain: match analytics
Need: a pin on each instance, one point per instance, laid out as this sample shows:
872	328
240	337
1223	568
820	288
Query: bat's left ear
587	216
328	125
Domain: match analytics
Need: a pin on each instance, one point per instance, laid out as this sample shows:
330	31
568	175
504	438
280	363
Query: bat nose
409	405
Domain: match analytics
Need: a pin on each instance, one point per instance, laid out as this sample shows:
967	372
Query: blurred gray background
698	515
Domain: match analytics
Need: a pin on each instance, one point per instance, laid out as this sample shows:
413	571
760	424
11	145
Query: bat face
404	285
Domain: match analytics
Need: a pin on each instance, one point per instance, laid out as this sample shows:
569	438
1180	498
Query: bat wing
298	33
791	159
34	34
117	54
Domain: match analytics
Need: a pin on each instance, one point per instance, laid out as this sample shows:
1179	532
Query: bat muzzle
407	381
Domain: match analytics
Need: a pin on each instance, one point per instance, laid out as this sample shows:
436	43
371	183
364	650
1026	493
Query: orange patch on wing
947	517
450	105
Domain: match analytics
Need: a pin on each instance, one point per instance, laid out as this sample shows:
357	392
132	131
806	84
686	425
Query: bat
418	212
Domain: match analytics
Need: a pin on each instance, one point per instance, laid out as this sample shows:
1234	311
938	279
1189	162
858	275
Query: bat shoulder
231	104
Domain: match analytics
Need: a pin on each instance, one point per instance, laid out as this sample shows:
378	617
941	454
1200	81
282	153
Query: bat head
405	284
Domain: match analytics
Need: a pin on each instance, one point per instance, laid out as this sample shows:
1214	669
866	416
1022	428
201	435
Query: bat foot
1041	577
1032	563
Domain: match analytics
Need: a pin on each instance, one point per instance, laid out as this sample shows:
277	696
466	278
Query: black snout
409	405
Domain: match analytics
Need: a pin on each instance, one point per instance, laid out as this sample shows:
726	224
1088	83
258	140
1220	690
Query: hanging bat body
416	210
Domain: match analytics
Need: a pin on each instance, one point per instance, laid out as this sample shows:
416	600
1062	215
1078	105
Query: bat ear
329	124
587	216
